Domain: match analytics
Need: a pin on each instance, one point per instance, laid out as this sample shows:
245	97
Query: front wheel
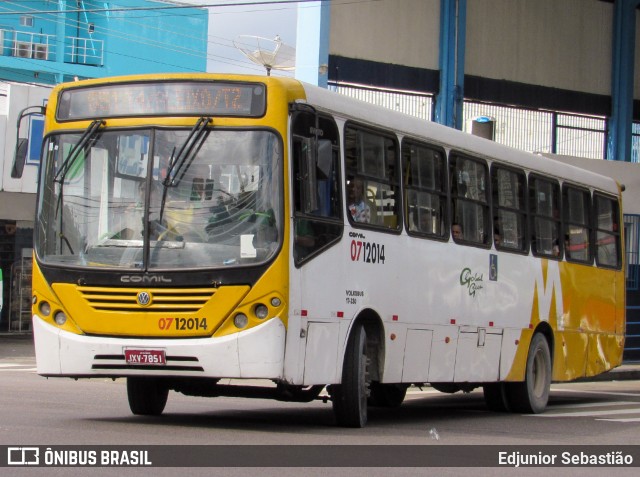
531	395
147	396
349	398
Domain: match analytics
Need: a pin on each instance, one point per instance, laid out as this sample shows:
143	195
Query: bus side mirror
20	158
20	155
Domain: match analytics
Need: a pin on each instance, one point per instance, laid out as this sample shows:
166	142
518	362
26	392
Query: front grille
188	300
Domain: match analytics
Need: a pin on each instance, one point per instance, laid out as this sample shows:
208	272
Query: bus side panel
318	321
478	356
600	355
417	354
321	353
569	357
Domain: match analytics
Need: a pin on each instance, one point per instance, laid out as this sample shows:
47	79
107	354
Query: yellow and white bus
198	230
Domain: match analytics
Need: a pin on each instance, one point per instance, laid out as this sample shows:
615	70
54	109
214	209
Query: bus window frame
453	156
566	185
399	199
525	211
616	234
406	142
533	176
298	210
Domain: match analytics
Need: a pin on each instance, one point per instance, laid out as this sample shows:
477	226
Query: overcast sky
226	23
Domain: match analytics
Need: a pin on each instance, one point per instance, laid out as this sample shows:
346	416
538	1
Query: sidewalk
17	345
626	372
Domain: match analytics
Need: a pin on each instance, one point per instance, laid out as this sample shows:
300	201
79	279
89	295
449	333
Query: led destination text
162	99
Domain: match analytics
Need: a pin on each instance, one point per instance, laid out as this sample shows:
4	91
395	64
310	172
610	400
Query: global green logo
473	281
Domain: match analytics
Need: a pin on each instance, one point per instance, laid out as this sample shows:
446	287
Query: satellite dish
272	54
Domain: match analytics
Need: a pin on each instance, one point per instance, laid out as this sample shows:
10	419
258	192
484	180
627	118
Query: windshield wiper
185	155
74	153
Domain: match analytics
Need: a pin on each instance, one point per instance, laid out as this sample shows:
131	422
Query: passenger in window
456	232
497	239
555	250
425	224
358	208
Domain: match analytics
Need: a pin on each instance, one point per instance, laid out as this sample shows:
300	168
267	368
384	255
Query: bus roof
377	116
449	138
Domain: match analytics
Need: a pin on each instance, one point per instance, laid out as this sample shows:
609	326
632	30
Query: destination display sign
166	98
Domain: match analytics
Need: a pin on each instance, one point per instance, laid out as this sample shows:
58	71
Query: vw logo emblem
144	298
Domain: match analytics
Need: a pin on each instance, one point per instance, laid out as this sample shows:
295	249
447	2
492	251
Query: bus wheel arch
531	395
362	361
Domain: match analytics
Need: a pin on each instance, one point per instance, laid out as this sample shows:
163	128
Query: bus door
317	226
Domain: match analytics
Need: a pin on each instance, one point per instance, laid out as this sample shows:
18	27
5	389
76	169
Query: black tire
496	397
387	395
147	396
349	398
531	395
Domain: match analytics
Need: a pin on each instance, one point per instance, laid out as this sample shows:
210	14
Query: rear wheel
349	398
147	396
531	395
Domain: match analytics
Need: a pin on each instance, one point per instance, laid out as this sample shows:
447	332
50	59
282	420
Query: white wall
19	97
561	44
626	173
404	32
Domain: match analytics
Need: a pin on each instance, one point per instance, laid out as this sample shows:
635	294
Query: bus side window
577	218
509	209
606	221
425	183
470	204
373	179
544	203
316	184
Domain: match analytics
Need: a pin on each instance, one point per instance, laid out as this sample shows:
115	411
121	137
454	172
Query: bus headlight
261	311
44	308
240	320
60	318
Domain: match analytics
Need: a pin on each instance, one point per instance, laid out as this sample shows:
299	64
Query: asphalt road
36	411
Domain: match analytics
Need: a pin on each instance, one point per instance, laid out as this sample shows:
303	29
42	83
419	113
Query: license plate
149	357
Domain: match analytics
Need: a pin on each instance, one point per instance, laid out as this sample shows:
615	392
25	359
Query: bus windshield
125	200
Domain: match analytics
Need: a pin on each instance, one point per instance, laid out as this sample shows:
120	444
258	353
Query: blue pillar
622	71
312	42
61	21
453	24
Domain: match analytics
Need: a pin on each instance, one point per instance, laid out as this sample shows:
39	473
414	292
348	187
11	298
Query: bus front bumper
254	353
